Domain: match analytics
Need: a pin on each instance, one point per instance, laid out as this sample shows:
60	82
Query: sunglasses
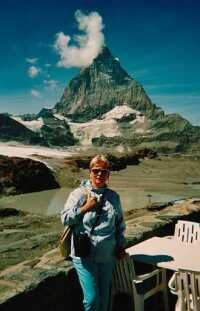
96	171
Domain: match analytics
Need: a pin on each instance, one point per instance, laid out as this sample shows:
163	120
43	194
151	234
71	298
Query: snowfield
107	125
33	125
24	151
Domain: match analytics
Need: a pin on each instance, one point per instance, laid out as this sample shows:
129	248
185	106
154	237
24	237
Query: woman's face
99	174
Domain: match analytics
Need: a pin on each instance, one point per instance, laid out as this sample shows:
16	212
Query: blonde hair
99	158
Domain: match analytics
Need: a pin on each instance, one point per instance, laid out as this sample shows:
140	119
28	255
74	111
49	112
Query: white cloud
35	93
33	71
51	84
31	60
88	45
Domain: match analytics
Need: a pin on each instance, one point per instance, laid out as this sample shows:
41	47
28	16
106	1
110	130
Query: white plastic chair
185	232
188	290
138	287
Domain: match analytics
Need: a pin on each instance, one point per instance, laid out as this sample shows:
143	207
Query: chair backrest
188	290
187	231
123	275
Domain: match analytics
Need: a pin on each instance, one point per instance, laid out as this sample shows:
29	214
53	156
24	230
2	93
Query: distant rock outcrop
44	129
18	175
117	162
10	129
54	131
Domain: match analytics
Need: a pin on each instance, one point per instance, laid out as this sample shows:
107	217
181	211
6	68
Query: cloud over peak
88	45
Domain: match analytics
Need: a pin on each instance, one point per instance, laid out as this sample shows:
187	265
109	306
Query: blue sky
157	43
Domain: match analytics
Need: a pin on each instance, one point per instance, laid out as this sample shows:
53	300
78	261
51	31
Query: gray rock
20	175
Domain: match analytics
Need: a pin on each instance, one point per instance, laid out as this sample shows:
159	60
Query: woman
95	211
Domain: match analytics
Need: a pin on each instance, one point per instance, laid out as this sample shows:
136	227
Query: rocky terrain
117	161
11	129
44	130
33	272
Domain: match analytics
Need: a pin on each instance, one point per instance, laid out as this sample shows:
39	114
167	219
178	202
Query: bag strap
100	205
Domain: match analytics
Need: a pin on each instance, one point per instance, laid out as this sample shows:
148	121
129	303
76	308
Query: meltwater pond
50	202
158	181
165	179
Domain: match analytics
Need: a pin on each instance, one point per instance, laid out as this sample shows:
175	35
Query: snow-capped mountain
104	106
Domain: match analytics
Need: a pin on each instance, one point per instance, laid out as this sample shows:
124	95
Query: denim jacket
109	230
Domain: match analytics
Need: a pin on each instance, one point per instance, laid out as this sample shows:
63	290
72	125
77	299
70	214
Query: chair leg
178	306
165	290
165	299
139	303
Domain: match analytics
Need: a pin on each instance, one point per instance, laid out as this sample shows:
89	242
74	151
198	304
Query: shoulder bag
65	242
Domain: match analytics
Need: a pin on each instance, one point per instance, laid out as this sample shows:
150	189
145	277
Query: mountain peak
100	87
104	55
106	63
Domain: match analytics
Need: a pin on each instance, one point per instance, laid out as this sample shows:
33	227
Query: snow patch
15	149
61	117
140	125
107	125
95	128
119	112
33	125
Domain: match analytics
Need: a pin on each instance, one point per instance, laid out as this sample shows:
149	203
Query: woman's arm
71	213
120	231
78	203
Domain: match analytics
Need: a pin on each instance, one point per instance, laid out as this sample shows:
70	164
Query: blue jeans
95	279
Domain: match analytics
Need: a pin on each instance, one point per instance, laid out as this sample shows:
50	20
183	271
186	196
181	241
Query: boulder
21	175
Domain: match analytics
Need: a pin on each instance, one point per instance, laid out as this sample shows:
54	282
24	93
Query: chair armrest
172	284
170	237
142	277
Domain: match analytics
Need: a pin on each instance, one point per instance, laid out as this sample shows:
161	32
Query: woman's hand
89	204
120	253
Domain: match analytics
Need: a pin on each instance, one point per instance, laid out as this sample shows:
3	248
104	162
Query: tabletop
168	253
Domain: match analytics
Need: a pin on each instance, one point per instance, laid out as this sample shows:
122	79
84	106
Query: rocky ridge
11	129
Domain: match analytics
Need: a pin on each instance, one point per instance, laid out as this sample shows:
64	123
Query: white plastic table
168	253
